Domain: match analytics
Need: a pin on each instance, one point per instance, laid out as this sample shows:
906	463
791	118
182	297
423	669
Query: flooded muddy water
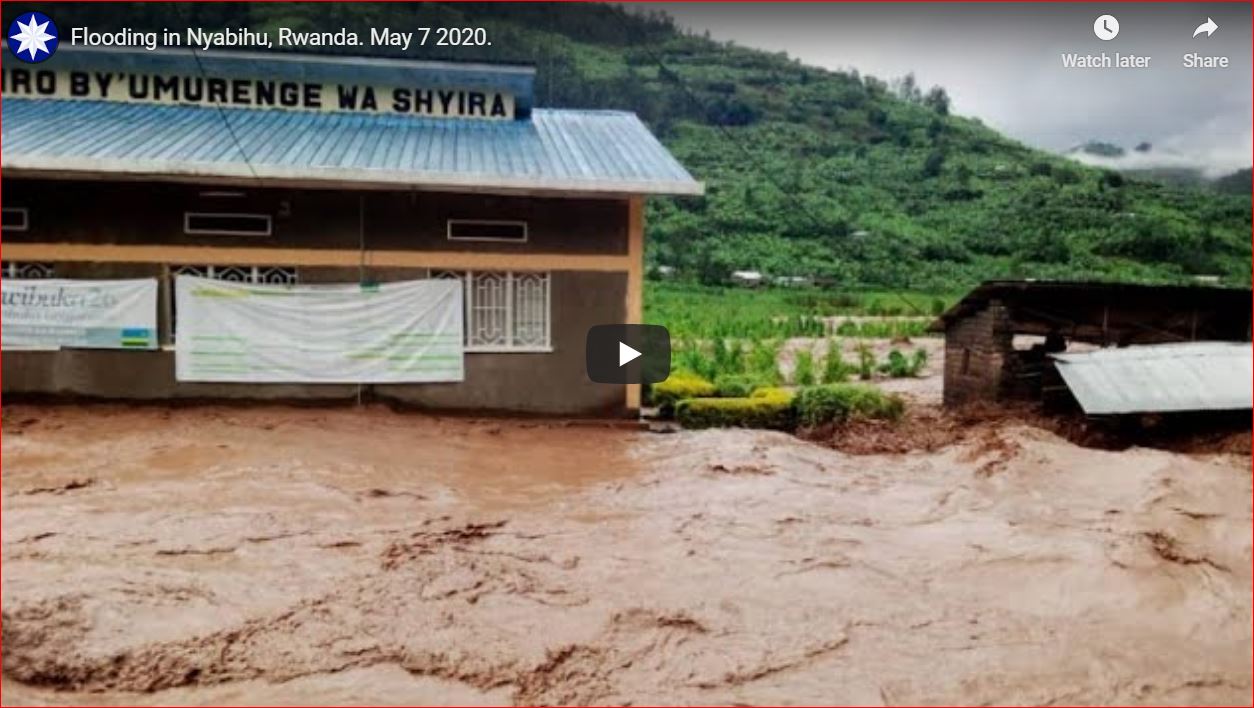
277	555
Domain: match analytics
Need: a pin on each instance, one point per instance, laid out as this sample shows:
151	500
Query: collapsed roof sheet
1193	376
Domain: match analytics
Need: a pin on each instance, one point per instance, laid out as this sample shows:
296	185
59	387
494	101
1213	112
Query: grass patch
741	385
836	403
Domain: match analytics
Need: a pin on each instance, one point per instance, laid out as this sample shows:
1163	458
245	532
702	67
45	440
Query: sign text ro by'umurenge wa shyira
232	92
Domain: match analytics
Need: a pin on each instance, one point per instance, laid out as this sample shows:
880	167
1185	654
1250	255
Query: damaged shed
1002	339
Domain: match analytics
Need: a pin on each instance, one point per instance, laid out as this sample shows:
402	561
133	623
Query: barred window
505	311
27	271
257	275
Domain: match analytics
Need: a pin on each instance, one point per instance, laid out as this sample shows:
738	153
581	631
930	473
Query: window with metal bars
257	275
505	311
27	271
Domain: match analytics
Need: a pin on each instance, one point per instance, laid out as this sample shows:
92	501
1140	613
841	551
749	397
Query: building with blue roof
305	169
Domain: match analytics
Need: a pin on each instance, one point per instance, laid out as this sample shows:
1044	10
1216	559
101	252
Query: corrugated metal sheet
556	150
1161	378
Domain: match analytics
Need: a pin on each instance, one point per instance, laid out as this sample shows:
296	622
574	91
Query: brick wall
978	351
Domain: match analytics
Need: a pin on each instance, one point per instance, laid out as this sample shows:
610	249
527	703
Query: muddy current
284	555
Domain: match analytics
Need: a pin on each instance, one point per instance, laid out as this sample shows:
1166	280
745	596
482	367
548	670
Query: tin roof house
295	170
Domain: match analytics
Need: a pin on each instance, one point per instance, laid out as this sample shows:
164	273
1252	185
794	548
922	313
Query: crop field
699	312
773	336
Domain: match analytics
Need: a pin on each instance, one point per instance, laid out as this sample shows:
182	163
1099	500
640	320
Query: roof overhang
332	178
1092	311
554	152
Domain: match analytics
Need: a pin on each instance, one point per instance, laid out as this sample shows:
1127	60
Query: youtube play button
623	354
626	354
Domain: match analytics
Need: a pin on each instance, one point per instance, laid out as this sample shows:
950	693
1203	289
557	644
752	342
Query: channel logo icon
33	37
628	354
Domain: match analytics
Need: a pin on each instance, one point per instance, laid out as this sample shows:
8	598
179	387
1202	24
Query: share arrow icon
1208	27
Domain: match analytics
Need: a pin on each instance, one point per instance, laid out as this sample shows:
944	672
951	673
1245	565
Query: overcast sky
1000	62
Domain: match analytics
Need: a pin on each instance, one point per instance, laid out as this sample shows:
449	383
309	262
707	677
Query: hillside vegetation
810	172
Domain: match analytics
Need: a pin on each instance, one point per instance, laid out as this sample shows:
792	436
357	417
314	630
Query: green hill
809	171
1240	182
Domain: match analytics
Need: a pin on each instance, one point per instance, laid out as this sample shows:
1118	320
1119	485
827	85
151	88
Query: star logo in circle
33	37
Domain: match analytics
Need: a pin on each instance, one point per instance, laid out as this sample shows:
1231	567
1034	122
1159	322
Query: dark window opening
484	230
15	220
226	224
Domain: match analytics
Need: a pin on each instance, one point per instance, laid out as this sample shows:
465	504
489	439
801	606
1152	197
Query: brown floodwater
278	555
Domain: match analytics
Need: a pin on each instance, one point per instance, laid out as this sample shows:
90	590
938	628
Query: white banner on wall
46	315
408	332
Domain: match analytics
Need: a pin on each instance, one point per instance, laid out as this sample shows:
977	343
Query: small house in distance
747	278
1001	339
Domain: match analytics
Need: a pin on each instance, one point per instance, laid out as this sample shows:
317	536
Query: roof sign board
1161	378
217	91
308	121
277	82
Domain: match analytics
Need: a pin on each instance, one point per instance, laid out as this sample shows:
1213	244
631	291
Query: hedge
834	403
740	385
773	392
679	386
767	408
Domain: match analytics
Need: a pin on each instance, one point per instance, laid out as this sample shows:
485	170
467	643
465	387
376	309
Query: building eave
332	178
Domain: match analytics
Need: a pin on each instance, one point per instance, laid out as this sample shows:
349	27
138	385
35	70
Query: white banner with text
406	332
46	315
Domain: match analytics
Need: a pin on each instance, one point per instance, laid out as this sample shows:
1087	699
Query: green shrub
866	362
835	403
803	369
773	412
679	386
763	360
899	366
835	369
740	385
918	362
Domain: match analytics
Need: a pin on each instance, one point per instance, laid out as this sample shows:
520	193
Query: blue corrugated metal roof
1159	378
554	150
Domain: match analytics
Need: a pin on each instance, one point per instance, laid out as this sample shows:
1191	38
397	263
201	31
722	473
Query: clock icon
1106	27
